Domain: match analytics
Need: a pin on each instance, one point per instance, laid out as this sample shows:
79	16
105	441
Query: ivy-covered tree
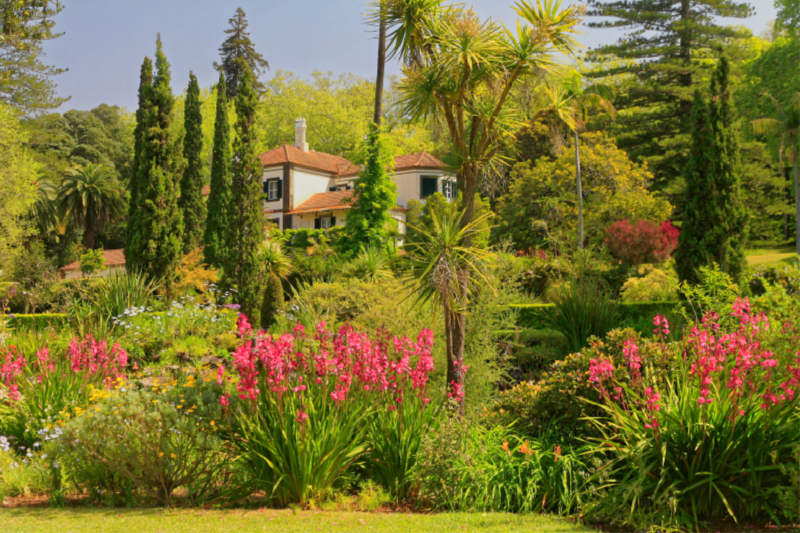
191	201
157	241
238	55
134	220
243	267
216	228
663	57
374	195
713	229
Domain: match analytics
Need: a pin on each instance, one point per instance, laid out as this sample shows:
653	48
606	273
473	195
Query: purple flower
232	306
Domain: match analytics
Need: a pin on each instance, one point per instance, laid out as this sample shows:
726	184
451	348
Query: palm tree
278	266
378	17
439	268
44	211
787	125
583	99
371	265
90	196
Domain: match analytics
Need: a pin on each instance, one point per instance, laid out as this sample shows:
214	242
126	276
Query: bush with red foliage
643	242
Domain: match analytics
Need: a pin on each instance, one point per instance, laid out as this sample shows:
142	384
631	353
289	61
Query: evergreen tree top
163	75
238	53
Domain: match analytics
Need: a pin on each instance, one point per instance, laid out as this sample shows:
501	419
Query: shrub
273	304
644	242
49	385
583	309
537	275
655	286
497	470
785	275
556	401
716	439
306	405
112	295
158	444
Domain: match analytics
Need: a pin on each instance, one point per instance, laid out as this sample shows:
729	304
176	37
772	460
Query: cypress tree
191	201
375	193
216	231
699	178
145	84
728	235
157	244
273	301
243	268
715	219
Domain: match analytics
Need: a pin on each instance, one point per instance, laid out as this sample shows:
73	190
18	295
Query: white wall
409	184
307	183
106	272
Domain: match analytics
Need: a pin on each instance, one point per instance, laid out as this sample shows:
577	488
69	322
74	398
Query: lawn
38	520
769	255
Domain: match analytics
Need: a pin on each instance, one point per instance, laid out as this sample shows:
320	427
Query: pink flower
662	326
243	325
302	417
224	400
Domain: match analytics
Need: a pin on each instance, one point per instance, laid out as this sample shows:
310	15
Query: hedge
537	316
37	321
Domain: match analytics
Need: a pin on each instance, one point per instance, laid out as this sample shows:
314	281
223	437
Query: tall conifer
157	244
244	268
191	201
216	230
145	85
715	219
375	193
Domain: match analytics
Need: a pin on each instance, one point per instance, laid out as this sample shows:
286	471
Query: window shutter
455	188
333	221
265	187
317	223
331	189
280	189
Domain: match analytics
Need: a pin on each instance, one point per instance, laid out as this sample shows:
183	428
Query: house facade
308	189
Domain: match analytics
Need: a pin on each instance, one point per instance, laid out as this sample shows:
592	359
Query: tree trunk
580	189
381	66
88	232
796	203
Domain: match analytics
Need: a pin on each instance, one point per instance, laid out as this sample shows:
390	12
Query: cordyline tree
715	219
462	70
216	229
244	268
156	243
191	201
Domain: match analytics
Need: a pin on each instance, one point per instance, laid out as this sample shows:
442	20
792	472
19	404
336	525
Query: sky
105	41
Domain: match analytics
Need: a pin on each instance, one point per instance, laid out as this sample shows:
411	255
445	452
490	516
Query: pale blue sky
106	40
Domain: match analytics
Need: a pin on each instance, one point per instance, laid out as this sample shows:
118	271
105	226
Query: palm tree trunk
580	189
796	203
88	232
381	67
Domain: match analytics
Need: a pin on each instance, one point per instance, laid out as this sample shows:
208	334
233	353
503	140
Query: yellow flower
161	454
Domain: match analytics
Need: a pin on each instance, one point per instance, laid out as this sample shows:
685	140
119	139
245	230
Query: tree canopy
238	54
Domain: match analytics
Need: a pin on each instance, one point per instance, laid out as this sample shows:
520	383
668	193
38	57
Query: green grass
763	256
38	520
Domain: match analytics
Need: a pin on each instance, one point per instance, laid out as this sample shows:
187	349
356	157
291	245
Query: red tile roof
339	166
328	201
112	258
324	201
418	160
333	164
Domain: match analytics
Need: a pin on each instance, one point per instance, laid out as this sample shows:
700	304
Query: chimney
300	134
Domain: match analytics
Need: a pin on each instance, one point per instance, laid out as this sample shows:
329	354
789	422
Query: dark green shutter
317	223
280	189
333	221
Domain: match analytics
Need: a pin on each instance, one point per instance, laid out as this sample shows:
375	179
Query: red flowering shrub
717	438
309	404
42	387
644	242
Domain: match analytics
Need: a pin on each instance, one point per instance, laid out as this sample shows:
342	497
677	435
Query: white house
308	189
114	263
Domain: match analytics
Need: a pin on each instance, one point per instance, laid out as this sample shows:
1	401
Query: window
325	222
428	186
449	189
275	221
273	189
